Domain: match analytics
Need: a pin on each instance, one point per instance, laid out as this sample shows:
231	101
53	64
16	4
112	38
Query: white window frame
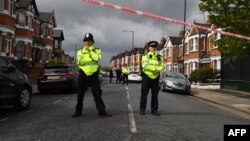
170	52
56	44
8	43
21	19
30	22
11	7
1	39
20	49
193	66
45	31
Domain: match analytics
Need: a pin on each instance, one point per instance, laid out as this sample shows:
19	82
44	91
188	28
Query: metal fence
236	75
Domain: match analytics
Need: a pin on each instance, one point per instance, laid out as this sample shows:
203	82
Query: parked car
58	77
100	77
14	86
134	77
174	81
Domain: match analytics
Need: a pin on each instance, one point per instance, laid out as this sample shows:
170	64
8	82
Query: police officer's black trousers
89	81
125	79
146	85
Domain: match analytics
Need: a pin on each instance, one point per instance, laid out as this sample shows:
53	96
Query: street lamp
132	36
183	45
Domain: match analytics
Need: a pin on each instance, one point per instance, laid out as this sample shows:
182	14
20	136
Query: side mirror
10	68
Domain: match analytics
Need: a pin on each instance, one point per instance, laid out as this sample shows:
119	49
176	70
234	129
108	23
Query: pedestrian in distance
87	59
152	65
110	75
118	75
125	72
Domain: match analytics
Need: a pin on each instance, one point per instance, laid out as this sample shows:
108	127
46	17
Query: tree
232	16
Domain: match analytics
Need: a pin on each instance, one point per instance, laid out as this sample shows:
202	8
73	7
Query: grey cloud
76	18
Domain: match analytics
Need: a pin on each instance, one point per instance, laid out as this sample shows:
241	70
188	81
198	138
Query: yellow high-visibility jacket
125	70
88	60
152	62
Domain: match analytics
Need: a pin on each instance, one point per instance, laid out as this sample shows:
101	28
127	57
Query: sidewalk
236	100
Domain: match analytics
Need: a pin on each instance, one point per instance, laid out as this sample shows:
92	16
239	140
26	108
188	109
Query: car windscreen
175	75
57	69
134	73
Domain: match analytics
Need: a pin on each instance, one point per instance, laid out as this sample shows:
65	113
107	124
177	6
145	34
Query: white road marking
27	112
131	115
1	120
67	97
57	101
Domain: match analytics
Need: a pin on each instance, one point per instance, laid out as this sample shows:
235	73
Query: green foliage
232	16
203	74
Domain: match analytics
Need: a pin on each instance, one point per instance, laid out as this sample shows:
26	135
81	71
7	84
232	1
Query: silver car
174	81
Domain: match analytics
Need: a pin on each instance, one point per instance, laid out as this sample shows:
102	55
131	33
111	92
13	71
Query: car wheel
24	99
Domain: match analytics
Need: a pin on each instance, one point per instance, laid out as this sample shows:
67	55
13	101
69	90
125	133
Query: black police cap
153	44
88	36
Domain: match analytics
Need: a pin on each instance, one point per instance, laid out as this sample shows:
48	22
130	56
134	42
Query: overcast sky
76	17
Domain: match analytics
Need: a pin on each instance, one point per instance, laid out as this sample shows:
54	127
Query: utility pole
75	53
183	45
132	36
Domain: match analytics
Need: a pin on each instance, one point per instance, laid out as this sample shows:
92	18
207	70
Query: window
44	55
170	52
215	64
195	44
193	66
9	43
20	46
56	43
0	41
45	31
186	48
11	7
1	5
29	22
21	19
28	51
191	44
203	43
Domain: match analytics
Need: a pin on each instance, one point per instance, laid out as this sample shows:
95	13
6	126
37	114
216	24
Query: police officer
152	65
87	59
125	72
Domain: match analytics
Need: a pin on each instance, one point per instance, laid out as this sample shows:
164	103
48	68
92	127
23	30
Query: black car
14	86
58	77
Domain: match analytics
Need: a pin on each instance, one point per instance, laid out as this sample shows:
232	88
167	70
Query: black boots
76	114
104	114
156	113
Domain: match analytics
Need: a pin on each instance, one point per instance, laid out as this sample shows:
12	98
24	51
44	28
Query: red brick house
27	34
48	23
7	28
200	51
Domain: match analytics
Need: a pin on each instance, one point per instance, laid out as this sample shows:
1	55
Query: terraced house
27	34
200	51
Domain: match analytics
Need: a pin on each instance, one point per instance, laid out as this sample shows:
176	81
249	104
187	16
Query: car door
7	83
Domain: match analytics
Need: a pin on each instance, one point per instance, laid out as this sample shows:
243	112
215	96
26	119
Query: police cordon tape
145	14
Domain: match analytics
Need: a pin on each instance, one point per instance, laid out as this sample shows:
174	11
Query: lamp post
184	29
132	36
